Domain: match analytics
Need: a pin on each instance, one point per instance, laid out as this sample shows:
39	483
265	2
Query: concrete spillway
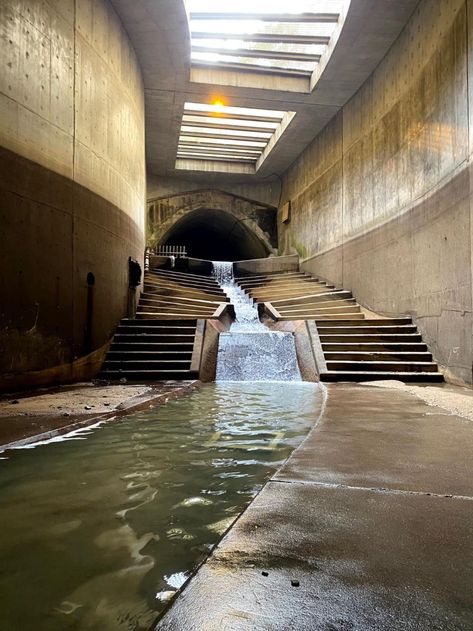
249	351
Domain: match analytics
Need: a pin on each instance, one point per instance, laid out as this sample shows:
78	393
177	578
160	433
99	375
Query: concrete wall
265	192
381	200
72	177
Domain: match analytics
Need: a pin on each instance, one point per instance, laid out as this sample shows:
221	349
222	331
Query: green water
98	530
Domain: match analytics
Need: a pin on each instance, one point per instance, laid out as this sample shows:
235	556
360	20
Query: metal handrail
176	251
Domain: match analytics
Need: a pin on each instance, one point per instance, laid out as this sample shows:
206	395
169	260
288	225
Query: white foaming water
250	351
246	313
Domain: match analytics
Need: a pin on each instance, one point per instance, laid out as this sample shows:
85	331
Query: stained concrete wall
381	199
265	192
72	177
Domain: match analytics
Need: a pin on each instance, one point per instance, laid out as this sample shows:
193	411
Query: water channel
100	529
250	351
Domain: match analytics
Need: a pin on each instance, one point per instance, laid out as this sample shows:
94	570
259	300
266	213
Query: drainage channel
100	529
250	351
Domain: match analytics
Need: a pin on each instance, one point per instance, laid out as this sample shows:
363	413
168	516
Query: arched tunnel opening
216	235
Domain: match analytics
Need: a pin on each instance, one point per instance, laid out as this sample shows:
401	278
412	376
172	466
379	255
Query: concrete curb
144	403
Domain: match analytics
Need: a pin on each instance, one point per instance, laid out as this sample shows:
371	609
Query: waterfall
250	351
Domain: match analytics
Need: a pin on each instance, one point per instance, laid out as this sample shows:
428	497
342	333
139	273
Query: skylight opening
274	37
221	133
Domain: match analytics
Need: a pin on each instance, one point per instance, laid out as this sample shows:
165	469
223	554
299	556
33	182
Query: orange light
218	105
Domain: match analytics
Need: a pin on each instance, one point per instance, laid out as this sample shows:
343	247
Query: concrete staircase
151	349
353	347
163	340
298	296
374	349
176	295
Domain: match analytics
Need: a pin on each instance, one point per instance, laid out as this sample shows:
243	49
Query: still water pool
97	531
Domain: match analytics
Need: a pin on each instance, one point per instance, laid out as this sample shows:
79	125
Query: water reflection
98	533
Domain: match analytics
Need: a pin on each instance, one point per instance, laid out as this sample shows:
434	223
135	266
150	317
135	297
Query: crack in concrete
379	489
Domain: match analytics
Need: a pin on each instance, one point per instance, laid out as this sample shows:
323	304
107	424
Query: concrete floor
39	415
368	526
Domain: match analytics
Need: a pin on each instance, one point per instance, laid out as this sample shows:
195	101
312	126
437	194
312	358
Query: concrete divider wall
267	266
72	178
381	199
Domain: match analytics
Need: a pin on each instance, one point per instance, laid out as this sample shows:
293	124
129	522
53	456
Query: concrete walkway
42	414
368	526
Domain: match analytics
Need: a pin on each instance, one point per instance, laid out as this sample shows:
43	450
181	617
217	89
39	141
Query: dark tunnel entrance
215	235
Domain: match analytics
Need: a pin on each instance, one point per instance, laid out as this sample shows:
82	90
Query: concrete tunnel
216	235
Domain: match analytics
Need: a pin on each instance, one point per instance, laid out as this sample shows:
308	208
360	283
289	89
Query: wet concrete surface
368	526
42	414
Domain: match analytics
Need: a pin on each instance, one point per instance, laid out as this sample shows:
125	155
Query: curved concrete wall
381	200
72	177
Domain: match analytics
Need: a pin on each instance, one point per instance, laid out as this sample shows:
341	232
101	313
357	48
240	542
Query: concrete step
283	282
381	322
147	329
157	323
146	364
323	310
375	346
153	338
148	375
327	317
183	282
381	366
420	377
120	354
271	275
303	288
274	296
359	356
165	293
351	338
177	301
182	275
161	315
308	299
174	273
322	304
151	308
351	328
152	347
180	289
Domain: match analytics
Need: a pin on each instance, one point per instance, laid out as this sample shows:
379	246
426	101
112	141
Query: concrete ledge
266	308
269	265
367	526
223	310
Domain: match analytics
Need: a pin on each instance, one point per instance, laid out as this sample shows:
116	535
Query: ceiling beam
226	65
240	117
203	135
222	159
221	125
185	143
267	38
258	54
319	18
208	149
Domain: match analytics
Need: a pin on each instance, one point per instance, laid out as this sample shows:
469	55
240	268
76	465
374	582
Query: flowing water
99	530
250	351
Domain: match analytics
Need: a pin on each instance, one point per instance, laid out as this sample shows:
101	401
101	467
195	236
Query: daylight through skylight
228	134
266	36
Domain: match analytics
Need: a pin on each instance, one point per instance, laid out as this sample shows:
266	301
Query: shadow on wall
216	235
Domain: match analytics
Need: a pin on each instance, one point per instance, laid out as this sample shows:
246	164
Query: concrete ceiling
159	32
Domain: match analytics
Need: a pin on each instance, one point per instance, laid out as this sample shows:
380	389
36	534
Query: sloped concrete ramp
368	526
